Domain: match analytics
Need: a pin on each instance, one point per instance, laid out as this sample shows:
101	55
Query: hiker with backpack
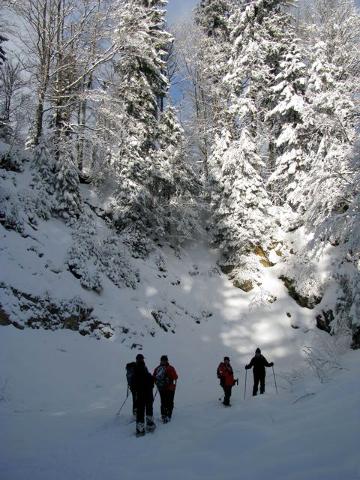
130	370
258	363
142	384
165	377
226	376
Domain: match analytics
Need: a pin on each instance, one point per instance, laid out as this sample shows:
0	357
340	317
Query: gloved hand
271	364
247	367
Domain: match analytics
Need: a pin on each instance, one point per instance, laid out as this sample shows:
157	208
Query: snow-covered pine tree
332	35
327	197
212	16
211	93
241	196
324	191
174	183
69	202
243	217
287	118
336	22
221	144
141	85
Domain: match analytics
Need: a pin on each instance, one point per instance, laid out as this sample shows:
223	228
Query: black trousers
144	404
227	394
133	394
167	402
259	378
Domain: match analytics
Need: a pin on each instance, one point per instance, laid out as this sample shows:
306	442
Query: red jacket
226	375
171	376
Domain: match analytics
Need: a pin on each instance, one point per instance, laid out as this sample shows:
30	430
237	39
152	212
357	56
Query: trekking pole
245	384
275	380
127	394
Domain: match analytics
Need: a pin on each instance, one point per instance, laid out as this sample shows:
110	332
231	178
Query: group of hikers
141	384
225	374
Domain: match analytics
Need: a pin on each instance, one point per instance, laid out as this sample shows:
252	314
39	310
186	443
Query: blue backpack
161	377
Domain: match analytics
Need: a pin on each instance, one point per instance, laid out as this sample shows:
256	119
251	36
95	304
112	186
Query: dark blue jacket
143	381
259	363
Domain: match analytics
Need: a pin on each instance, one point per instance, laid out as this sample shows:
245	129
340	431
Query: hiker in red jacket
226	375
165	377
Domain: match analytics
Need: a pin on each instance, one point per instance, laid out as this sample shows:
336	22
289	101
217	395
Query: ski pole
275	380
127	394
245	384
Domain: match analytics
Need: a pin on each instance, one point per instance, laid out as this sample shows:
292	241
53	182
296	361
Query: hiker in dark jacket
130	371
258	363
143	384
165	377
226	375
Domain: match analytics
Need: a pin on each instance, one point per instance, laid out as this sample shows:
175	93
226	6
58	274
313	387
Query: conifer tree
212	16
211	93
287	121
238	216
140	87
324	191
243	217
174	184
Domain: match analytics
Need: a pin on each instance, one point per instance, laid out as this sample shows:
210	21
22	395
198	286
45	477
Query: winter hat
258	350
226	358
163	358
139	356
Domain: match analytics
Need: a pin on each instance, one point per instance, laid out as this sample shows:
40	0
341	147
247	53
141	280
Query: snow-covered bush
11	214
57	175
113	263
324	356
11	159
138	244
80	263
90	258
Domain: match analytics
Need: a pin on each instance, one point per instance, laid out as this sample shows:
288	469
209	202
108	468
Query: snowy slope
60	391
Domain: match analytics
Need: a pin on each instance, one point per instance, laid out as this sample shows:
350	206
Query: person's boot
140	429
165	418
150	424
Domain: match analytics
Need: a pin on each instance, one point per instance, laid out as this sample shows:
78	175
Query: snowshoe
140	430
150	424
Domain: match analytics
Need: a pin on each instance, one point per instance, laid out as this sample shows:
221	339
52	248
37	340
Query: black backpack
130	373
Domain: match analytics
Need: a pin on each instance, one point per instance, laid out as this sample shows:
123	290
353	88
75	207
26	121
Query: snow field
60	392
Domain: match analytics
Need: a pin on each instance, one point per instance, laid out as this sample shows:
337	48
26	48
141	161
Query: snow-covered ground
59	391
